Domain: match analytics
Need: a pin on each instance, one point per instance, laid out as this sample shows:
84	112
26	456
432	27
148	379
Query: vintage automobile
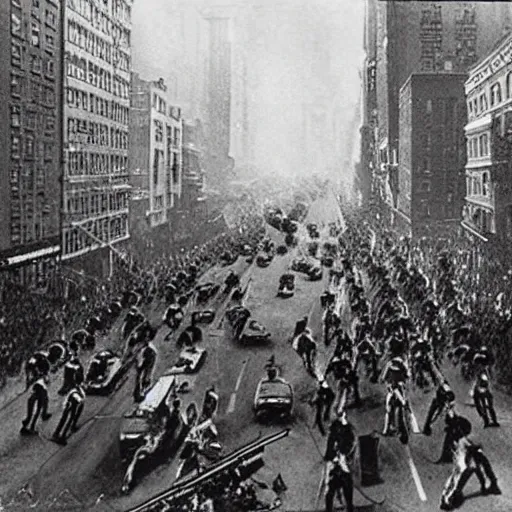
203	317
84	338
281	250
298	212
263	259
153	427
315	273
253	332
273	399
289	226
313	230
302	265
312	248
291	240
140	420
286	286
327	261
206	291
50	359
246	250
104	372
190	361
228	258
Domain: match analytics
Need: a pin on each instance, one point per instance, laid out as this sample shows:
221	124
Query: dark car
263	259
206	291
273	399
104	373
286	285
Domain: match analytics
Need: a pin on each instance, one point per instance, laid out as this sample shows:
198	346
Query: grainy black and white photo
255	255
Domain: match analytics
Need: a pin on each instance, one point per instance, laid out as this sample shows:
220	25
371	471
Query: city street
88	472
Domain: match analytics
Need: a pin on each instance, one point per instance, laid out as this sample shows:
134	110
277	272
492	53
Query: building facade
488	203
96	116
430	190
155	159
31	141
417	37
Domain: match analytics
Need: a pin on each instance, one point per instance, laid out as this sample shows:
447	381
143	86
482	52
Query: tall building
487	212
417	37
96	112
155	160
30	115
430	187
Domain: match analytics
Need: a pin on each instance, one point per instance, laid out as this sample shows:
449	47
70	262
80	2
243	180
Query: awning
479	124
40	253
123	186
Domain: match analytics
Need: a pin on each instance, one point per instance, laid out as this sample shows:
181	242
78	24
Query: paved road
88	470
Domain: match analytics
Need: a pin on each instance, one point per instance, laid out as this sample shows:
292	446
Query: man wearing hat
323	401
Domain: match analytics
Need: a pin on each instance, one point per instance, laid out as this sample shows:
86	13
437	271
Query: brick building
430	188
30	138
96	181
155	161
488	202
417	37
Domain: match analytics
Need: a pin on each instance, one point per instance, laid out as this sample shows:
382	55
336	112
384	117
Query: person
394	375
37	403
456	427
343	371
339	477
306	347
323	401
443	398
73	372
300	326
73	408
341	438
38	365
484	402
273	374
145	367
210	403
366	351
469	459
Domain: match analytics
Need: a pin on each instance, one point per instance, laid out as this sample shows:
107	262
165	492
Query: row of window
50	19
159	104
109	109
97	46
478	185
28	148
88	72
32	90
478	146
82	163
32	120
479	105
28	176
38	65
91	203
100	20
97	134
106	229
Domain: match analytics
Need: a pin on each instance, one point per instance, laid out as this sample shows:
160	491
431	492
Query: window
15	116
16	85
31	120
425	186
159	131
35	4
470	149
429	107
15	146
483	102
426	164
485	184
49	124
48	151
16	24
509	85
36	39
50	43
495	94
49	68
29	147
35	64
49	18
16	54
49	96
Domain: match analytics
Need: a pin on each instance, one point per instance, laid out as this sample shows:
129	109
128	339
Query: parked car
206	291
190	361
286	286
104	372
273	399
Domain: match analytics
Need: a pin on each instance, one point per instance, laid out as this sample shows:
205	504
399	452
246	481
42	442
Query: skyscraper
96	180
30	115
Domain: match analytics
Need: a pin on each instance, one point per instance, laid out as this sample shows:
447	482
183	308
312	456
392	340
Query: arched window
509	85
495	94
485	183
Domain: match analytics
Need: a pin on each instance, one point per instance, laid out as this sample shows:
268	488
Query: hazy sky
303	64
